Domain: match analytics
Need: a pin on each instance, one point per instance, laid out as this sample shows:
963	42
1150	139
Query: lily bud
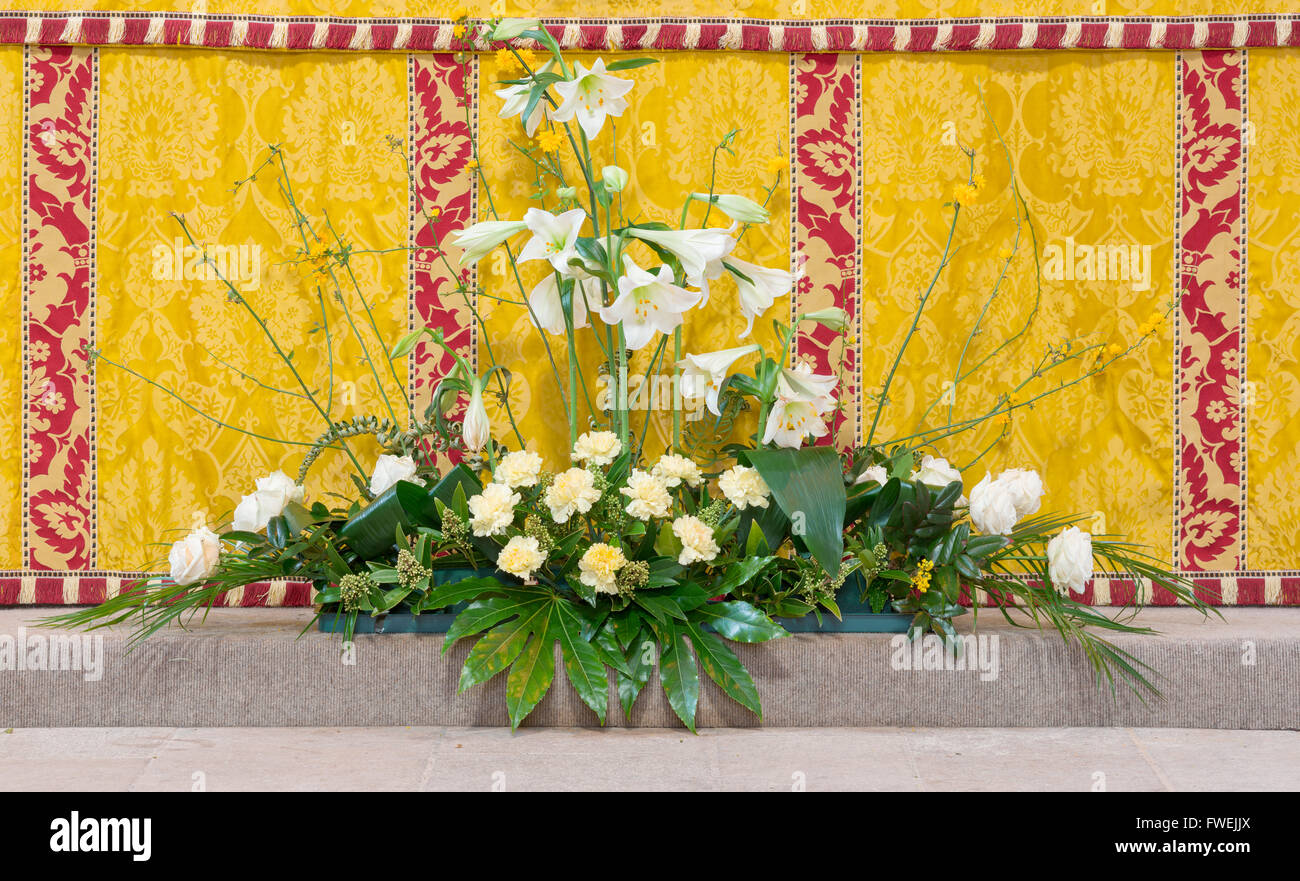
832	317
736	207
509	28
476	430
614	177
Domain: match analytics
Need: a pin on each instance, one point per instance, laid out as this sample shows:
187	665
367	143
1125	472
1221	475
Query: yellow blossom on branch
777	164
549	139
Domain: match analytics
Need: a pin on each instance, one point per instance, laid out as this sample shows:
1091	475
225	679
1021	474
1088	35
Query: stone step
249	667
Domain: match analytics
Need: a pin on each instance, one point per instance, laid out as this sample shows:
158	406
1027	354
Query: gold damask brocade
1110	148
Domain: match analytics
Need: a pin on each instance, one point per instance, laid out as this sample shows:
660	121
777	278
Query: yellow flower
921	579
1015	399
1006	254
458	31
471	166
1003	418
460	13
978	181
507	61
599	567
1114	349
777	163
964	194
528	57
549	139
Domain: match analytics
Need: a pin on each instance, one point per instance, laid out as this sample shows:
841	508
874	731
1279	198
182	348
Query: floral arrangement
632	559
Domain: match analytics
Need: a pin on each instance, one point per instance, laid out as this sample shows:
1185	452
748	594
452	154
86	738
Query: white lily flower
701	251
647	302
479	239
736	207
555	238
591	96
758	289
509	28
791	421
476	430
548	310
704	373
801	384
516	102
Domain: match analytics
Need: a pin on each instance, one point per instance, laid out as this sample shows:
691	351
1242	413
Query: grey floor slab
648	759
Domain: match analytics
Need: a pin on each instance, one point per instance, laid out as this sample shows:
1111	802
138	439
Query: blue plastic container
858	617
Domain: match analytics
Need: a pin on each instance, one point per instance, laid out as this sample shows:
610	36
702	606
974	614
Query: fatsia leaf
530	676
642	652
723	667
582	662
660	608
677	673
465	590
481	615
497	648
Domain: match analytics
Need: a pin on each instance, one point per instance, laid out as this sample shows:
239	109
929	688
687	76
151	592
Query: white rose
597	448
993	507
873	472
493	510
194	558
1026	489
521	557
389	470
273	494
647	497
572	492
936	473
697	541
1069	558
744	487
672	470
519	469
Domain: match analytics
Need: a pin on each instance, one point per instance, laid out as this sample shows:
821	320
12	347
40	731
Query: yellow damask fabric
11	348
1090	173
178	130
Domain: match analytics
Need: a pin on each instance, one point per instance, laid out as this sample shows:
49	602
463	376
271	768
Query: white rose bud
1069	558
389	470
992	507
1026	489
273	494
194	558
936	473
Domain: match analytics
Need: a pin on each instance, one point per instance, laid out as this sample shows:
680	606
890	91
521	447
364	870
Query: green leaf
678	674
808	485
756	543
582	662
464	590
660	607
882	508
723	667
610	652
739	574
642	652
370	531
629	63
497	648
530	678
481	615
738	621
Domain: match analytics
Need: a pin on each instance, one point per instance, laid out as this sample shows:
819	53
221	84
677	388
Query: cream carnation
572	492
519	469
744	487
1069	559
697	541
597	448
993	507
647	497
599	567
493	510
521	557
673	470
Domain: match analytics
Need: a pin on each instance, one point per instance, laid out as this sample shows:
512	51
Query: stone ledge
247	667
